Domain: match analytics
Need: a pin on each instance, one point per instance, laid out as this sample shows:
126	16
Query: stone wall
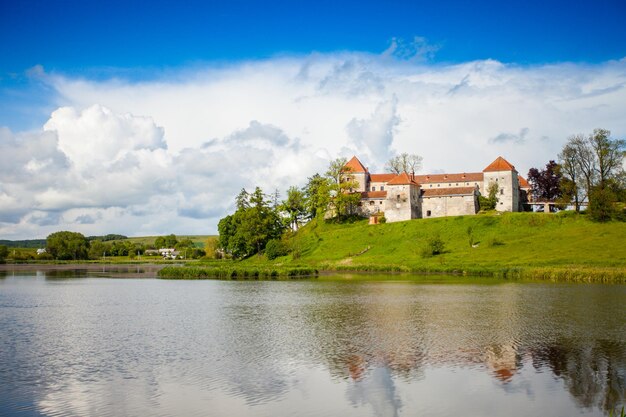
456	205
402	203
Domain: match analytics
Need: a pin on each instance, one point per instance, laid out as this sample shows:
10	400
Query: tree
601	204
317	196
490	202
294	206
404	162
609	154
186	247
4	252
571	187
341	188
67	245
210	247
592	164
241	201
97	249
168	241
253	224
545	184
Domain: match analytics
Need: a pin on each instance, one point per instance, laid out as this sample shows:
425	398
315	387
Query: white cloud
169	154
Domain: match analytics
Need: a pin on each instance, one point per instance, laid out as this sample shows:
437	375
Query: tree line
590	169
72	246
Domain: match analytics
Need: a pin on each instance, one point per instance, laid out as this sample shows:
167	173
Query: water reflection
147	347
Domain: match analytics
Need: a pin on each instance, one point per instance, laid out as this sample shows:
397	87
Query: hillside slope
474	244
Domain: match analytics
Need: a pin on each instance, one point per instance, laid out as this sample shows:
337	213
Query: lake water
72	346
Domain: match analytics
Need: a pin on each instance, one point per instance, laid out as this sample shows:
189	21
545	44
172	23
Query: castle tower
501	172
358	172
403	199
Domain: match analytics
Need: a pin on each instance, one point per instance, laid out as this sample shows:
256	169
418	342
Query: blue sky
139	40
75	36
146	118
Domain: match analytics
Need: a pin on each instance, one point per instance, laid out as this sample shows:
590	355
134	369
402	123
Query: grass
561	246
231	271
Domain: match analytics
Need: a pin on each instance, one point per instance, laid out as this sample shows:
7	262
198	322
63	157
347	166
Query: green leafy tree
253	224
210	247
168	241
342	196
4	252
489	202
98	249
592	163
67	245
602	204
295	207
317	196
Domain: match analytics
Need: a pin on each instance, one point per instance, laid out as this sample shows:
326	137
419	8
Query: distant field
198	240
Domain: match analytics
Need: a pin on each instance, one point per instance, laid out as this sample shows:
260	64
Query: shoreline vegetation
235	272
564	247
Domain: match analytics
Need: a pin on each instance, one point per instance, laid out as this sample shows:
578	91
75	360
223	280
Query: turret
403	199
358	172
503	173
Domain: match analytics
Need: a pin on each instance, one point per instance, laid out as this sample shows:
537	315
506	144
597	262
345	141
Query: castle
408	196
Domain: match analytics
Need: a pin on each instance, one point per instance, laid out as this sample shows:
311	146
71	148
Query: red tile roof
374	194
522	182
449	178
403	179
382	177
500	164
439	192
355	165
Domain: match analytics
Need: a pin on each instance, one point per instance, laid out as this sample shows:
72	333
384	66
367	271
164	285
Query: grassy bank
232	271
559	247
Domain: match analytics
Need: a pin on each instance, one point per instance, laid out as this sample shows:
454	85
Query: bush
434	246
601	205
382	220
275	248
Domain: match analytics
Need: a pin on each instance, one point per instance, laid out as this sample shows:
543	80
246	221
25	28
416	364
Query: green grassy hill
503	244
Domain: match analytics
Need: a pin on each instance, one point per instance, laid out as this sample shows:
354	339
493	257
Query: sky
145	119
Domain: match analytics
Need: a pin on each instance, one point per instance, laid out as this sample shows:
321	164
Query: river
75	344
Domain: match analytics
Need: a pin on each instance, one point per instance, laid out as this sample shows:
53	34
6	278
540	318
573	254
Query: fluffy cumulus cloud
169	154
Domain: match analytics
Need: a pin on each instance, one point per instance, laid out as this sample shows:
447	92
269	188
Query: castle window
450	185
373	188
382	188
371	203
380	202
398	197
431	186
467	183
427	213
501	191
438	185
457	184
